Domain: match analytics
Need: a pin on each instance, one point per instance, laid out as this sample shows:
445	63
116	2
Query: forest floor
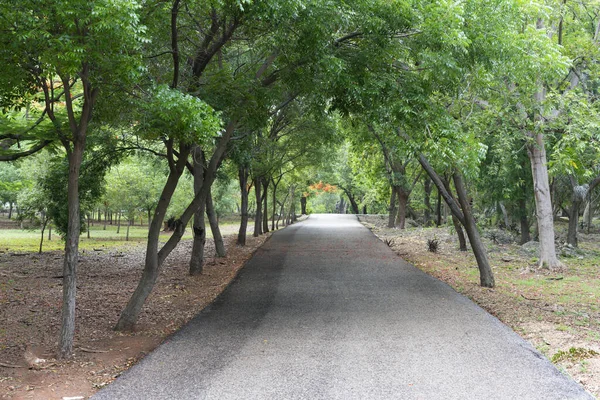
558	312
30	301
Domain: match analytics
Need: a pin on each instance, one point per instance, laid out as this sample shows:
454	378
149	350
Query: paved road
326	311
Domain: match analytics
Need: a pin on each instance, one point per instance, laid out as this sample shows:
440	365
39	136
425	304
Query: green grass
20	240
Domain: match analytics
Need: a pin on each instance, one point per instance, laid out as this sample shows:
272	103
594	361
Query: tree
62	53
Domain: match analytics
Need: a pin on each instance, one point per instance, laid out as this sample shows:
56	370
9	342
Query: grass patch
26	240
574	354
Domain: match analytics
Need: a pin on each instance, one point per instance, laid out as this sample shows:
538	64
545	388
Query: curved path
325	310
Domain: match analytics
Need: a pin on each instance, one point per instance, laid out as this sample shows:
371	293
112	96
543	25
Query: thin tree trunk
105	218
588	214
462	242
214	227
392	209
274	203
243	176
119	222
486	275
427	202
303	200
258	215
10	209
438	221
525	236
88	225
44	223
50	231
67	328
543	202
199	226
127	234
504	215
265	227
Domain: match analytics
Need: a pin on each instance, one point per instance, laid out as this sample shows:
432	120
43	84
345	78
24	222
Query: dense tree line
161	110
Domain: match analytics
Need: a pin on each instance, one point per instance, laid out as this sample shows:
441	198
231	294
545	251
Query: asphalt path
324	310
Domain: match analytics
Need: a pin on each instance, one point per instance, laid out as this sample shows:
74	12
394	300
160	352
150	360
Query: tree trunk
274	203
119	223
67	327
10	209
588	214
462	242
88	225
303	205
438	221
392	209
258	215
44	223
576	201
214	227
151	265
525	237
504	215
105	218
486	275
543	203
127	233
199	226
50	231
353	203
243	176
265	227
427	202
402	202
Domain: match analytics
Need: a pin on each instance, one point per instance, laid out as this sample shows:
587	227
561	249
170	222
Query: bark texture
214	227
543	202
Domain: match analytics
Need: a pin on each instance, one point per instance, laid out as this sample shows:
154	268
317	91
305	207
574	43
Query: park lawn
28	240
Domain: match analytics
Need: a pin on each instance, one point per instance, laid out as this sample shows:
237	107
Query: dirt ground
30	301
556	312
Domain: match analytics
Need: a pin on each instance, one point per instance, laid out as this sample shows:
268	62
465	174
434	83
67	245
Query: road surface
325	310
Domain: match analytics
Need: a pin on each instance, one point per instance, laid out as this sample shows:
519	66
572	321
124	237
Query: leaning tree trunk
67	328
353	203
199	226
392	209
462	242
486	275
214	227
151	265
543	202
243	176
258	215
